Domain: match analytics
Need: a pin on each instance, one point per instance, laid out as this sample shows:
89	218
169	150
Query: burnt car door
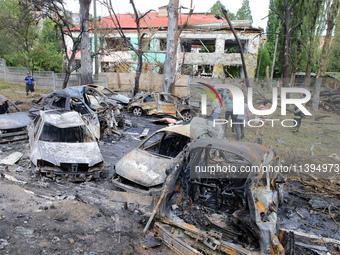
167	105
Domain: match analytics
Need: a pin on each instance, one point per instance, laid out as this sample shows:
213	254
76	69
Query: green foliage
46	58
265	61
22	40
333	64
244	13
217	9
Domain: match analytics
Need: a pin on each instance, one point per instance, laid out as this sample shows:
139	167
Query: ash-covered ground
42	216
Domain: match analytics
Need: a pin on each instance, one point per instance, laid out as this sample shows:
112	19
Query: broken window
198	45
4	107
149	98
59	102
146	44
162	44
231	46
115	44
169	145
77	134
78	106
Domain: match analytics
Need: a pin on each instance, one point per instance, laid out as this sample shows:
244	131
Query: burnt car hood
120	98
14	120
143	168
56	153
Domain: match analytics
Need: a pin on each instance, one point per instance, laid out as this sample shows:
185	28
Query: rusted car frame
161	103
62	145
13	123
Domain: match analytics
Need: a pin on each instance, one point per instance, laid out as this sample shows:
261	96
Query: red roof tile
127	21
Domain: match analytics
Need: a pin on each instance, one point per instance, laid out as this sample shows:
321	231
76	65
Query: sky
259	8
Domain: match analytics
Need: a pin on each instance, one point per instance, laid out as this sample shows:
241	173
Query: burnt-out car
110	95
237	186
13	123
63	145
161	103
98	114
144	169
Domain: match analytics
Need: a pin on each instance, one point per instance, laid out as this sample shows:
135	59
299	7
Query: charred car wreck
161	103
100	115
62	144
13	123
232	212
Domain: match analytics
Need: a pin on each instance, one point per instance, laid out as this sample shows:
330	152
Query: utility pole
96	64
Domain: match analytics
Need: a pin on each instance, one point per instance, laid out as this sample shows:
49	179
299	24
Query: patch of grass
13	96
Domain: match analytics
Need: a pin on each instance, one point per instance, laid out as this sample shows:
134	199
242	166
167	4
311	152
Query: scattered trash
145	133
24	231
3	243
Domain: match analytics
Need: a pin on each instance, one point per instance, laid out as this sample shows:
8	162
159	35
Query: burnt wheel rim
137	111
186	116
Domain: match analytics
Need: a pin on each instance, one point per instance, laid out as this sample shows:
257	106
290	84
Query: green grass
18	87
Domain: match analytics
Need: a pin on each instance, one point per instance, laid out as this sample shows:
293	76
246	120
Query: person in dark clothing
30	84
298	115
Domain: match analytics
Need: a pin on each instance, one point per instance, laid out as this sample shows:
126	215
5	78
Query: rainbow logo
209	93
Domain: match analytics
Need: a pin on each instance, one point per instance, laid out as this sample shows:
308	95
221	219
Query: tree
265	61
55	11
217	9
333	64
140	36
244	13
174	32
18	21
86	61
285	17
312	28
333	12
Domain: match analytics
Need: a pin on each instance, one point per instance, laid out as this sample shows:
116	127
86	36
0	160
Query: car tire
137	111
186	116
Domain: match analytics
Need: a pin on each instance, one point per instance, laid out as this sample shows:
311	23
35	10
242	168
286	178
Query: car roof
62	119
252	152
76	92
178	129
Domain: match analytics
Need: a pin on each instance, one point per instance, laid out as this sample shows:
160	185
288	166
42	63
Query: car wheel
137	111
186	116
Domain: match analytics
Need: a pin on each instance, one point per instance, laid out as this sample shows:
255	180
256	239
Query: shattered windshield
78	134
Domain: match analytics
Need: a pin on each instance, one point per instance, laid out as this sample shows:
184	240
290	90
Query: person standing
240	122
228	107
30	84
262	118
215	110
298	115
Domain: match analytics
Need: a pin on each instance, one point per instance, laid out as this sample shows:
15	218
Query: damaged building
206	47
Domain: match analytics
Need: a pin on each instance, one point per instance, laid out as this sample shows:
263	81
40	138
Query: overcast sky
259	8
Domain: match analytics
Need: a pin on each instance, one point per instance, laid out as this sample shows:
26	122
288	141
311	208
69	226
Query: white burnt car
63	145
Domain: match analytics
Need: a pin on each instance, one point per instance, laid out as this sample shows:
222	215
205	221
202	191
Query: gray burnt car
233	210
62	144
13	123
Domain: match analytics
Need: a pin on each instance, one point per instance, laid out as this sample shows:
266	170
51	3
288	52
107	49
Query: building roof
154	20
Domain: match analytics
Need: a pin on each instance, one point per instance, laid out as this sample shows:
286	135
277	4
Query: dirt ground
42	216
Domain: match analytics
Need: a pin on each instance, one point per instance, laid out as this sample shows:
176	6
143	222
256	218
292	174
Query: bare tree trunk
171	47
331	18
86	61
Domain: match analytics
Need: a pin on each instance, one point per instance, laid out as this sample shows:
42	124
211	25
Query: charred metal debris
233	213
13	122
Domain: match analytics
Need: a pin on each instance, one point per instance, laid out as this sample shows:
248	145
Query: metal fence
46	80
